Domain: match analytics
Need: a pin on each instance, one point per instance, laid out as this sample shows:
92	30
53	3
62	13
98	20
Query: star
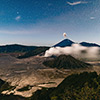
17	12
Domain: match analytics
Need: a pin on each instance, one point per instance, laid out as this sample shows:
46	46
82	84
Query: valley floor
28	75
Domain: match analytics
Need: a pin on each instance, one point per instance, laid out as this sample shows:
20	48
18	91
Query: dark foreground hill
5	86
34	52
11	97
66	62
84	86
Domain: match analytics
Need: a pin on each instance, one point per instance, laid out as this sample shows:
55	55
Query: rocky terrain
29	71
66	62
29	75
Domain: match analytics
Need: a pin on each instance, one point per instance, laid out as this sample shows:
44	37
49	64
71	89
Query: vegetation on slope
34	52
26	88
84	86
5	86
16	48
11	97
66	62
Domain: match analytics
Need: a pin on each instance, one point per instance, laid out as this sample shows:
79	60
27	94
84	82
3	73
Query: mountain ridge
64	43
87	44
16	48
68	42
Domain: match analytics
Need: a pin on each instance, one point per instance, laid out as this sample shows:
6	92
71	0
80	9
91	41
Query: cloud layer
76	3
75	50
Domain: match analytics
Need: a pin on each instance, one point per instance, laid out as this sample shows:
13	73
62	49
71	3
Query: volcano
68	42
64	43
66	62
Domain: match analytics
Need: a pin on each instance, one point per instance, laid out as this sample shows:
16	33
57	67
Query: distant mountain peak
86	44
68	42
64	43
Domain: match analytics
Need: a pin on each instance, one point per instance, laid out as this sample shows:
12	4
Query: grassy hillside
34	52
5	86
84	86
66	62
11	97
16	48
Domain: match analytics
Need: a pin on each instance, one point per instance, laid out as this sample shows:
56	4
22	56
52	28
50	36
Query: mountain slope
5	86
68	42
77	86
64	43
16	48
84	86
1	83
34	52
66	62
86	44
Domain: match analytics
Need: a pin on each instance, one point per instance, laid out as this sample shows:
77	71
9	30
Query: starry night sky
43	22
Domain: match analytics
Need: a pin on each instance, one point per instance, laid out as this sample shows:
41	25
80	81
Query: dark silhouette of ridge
16	48
34	52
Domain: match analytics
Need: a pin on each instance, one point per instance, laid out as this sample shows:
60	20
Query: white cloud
76	3
74	50
18	18
92	18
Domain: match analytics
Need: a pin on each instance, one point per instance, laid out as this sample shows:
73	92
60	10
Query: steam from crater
64	35
75	50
